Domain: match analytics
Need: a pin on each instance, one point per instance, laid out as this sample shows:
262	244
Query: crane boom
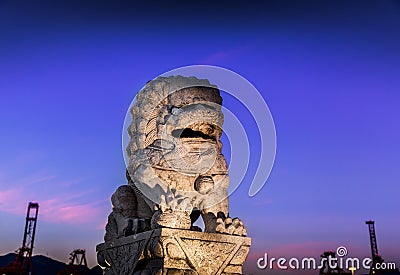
372	237
23	261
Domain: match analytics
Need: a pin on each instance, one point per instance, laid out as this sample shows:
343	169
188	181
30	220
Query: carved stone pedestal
174	251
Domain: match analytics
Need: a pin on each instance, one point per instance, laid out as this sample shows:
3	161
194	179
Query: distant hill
44	265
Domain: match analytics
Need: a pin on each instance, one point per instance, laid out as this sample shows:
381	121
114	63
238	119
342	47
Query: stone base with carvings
174	251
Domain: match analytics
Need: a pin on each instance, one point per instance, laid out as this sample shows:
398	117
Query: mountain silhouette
43	265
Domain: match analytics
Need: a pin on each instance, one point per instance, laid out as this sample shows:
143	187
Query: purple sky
329	73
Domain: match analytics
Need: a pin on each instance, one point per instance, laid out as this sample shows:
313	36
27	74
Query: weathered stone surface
176	173
174	251
176	169
175	156
124	219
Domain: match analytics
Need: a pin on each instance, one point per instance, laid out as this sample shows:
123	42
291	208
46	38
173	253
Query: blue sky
329	73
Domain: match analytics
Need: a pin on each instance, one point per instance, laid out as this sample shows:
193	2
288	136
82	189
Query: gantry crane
77	264
326	269
23	262
376	258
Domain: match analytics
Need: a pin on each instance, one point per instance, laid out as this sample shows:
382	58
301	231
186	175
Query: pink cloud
52	210
102	225
303	249
55	210
58	200
8	199
306	249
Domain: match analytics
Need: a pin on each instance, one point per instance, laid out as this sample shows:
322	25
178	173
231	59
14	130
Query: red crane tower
23	262
376	258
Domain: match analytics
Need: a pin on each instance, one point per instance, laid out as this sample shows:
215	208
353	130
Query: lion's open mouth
199	132
190	133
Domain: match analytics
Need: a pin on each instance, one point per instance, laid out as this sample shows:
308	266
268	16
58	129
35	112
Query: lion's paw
174	213
231	226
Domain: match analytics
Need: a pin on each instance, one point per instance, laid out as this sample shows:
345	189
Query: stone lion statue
176	171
